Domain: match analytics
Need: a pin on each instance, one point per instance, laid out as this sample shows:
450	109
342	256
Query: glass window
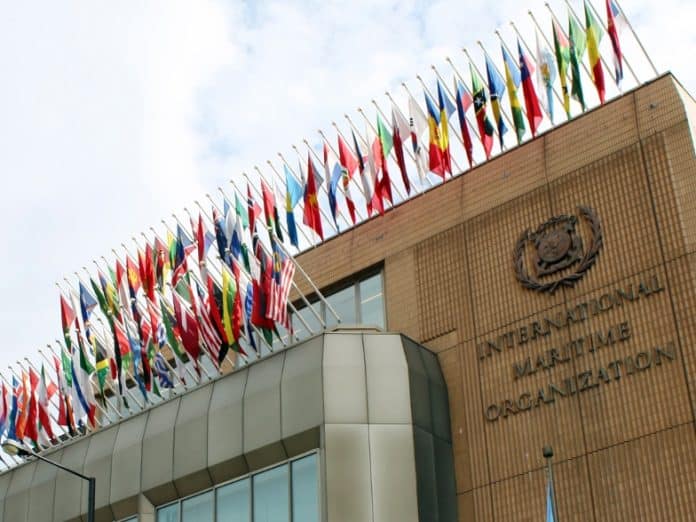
234	502
271	498
168	513
198	508
343	303
305	497
372	301
309	318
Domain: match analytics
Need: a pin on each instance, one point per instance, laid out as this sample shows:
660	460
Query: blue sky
115	114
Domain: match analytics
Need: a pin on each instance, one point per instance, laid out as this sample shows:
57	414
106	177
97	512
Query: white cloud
116	114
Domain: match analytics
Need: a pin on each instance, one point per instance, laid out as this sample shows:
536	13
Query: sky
116	114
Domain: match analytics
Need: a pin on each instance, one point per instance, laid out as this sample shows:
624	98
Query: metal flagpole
630	27
605	26
485	88
548	455
58	378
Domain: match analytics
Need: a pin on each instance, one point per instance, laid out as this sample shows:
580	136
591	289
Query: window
361	302
288	492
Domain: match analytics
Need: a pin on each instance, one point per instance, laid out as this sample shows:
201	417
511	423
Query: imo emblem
557	247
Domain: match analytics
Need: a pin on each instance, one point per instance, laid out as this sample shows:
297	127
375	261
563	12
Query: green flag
578	42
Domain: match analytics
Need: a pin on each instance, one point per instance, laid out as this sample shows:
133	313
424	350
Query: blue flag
336	176
12	423
163	371
496	87
248	307
293	195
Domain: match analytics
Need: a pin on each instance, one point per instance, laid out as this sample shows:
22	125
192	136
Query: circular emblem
556	248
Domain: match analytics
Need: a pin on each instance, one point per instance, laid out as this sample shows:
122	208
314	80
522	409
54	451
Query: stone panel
43	488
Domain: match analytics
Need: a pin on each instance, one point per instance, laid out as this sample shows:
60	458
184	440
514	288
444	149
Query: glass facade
288	492
360	302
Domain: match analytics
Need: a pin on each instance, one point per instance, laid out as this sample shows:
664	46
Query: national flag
293	195
248	313
12	422
615	22
311	215
162	265
220	238
4	409
201	245
594	38
562	49
187	328
496	88
400	133
365	177
45	429
67	318
382	148
284	272
83	394
271	210
418	124
147	272
349	164
463	101
134	284
253	210
137	350
436	163
578	42
513	79
534	114
162	370
208	334
173	339
446	110
87	305
545	75
335	174
485	126
230	322
184	247
102	366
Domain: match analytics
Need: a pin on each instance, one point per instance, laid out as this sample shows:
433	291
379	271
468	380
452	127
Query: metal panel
425	475
439	402
301	394
43	487
158	453
388	394
17	499
4	484
98	465
226	427
348	491
419	384
69	503
126	463
444	473
345	395
262	403
393	473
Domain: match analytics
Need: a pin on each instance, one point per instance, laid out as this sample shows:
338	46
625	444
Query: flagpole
601	56
548	455
623	57
471	127
409	150
635	36
534	54
62	391
485	88
352	178
13	459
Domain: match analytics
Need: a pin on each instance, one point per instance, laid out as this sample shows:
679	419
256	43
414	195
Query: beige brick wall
625	450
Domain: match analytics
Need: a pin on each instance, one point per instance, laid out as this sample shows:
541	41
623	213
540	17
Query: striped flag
281	283
615	22
209	335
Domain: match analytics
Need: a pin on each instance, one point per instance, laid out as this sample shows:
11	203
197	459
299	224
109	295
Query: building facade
544	298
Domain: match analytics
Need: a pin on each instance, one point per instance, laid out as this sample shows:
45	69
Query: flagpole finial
419	77
360	110
547	451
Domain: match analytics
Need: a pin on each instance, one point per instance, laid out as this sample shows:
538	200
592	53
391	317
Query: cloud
117	114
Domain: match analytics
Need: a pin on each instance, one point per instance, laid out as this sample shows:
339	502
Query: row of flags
219	289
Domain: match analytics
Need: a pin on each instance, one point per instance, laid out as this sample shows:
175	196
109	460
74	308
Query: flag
615	22
545	75
418	124
365	178
376	204
311	215
534	114
485	126
12	422
382	148
562	48
334	173
496	87
187	328
594	38
148	271
65	417
349	164
133	276
284	272
271	210
293	195
400	133
83	394
45	429
446	110
4	409
578	42
220	238
436	162
67	318
183	248
253	210
513	78
209	335
162	370
229	295
87	304
463	100
248	312
137	350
